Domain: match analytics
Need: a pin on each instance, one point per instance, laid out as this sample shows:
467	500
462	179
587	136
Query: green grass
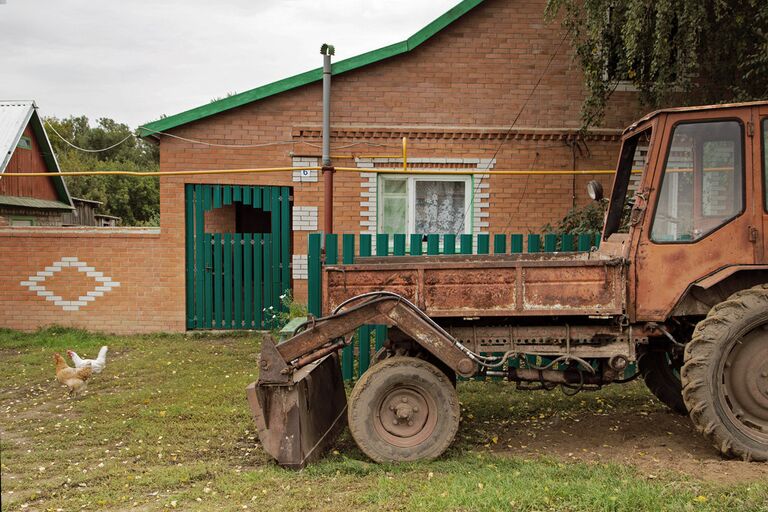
166	426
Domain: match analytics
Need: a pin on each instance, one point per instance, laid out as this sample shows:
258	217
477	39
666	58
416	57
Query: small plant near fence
284	313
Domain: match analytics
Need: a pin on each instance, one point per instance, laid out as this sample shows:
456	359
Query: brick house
24	147
453	90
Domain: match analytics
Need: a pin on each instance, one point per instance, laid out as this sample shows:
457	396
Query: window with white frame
425	204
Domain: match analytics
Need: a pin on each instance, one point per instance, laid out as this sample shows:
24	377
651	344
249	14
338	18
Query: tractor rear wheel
661	373
725	375
403	409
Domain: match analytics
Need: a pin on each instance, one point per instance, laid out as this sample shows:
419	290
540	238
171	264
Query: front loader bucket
299	418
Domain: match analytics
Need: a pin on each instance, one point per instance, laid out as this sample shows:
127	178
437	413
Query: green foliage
135	200
583	219
227	95
289	310
684	51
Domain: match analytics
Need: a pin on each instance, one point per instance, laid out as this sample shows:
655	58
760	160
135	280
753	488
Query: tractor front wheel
661	373
725	375
403	409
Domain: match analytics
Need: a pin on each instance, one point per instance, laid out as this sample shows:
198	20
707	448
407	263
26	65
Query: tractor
678	289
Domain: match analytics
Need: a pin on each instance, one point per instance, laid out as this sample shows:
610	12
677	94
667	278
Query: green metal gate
235	280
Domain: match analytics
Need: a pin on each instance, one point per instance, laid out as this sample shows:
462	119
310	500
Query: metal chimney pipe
327	51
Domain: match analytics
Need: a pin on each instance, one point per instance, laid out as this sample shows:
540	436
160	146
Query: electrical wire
68	143
367	299
511	126
215	144
218	145
366	143
266	144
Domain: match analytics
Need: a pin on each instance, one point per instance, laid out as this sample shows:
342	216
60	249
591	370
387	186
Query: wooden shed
25	148
85	214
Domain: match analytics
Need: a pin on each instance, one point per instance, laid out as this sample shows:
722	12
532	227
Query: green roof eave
286	84
33	202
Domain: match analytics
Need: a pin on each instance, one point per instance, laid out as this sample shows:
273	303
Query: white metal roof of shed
14	117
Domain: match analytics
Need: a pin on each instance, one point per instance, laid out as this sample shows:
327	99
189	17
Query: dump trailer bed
487	285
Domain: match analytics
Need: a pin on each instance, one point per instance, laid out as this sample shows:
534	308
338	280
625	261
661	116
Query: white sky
135	60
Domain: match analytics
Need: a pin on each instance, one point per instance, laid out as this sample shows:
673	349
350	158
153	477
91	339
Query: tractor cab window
632	163
702	186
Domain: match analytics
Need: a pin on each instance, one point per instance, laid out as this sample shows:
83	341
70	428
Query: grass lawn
166	426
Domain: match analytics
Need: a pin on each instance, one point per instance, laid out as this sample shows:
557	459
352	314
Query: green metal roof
33	202
308	77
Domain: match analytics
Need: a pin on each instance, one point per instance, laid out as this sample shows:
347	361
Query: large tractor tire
725	375
403	409
662	376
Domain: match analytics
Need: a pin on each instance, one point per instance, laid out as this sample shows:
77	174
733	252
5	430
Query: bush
584	219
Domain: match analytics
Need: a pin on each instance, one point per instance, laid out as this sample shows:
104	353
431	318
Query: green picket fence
356	358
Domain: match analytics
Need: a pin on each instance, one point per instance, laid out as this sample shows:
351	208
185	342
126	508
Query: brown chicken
73	378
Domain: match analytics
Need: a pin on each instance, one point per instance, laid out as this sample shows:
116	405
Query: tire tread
711	336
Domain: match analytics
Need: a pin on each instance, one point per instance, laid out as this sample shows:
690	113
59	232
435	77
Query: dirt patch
654	442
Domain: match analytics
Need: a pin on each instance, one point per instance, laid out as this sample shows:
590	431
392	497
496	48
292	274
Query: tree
673	51
135	200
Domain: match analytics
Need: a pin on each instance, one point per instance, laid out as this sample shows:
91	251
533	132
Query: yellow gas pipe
554	172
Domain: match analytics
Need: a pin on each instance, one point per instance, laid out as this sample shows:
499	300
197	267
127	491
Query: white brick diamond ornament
104	283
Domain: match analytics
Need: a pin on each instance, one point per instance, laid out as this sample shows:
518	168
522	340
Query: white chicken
97	365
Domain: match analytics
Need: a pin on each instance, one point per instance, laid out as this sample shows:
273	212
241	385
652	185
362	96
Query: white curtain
439	207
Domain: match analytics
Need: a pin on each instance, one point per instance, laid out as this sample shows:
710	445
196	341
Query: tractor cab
687	208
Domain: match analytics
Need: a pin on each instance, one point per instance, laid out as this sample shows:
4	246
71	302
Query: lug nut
404	400
410	423
394	422
415	409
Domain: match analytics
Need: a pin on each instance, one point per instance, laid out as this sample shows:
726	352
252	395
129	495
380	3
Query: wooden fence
356	358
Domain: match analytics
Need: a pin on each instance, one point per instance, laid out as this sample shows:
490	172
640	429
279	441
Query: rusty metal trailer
487	285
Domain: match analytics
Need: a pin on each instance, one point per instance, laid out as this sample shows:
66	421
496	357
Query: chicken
73	378
97	365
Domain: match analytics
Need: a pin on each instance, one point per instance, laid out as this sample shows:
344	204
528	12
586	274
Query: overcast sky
135	60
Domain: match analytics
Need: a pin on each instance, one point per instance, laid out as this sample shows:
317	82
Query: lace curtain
439	207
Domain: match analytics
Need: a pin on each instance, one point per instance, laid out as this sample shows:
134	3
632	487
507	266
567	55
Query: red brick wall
470	80
453	97
149	298
220	220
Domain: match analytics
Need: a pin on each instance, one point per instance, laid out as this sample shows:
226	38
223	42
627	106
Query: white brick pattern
305	218
300	266
103	283
305	175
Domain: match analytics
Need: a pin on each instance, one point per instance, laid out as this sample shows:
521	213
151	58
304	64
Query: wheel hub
403	416
745	382
404	413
